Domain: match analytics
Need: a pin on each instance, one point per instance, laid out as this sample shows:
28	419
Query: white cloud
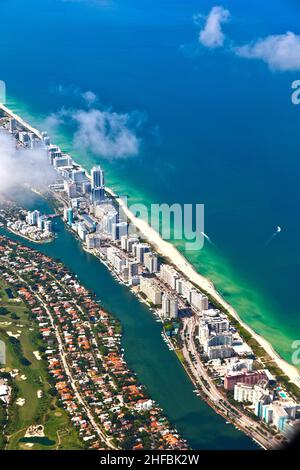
52	122
280	52
106	133
19	167
66	90
102	132
89	97
212	35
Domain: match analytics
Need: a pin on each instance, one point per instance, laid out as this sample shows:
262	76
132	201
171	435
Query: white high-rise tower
97	175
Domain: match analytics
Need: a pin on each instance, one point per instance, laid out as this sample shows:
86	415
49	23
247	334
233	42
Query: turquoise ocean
218	129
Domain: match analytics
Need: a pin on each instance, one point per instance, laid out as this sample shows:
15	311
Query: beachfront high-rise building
24	138
62	161
109	220
132	241
141	249
133	269
199	301
36	143
12	125
212	323
78	176
97	185
169	306
85	187
97	195
70	188
107	215
124	242
214	334
169	275
46	139
127	242
218	346
151	262
97	177
53	152
184	288
119	230
150	290
280	414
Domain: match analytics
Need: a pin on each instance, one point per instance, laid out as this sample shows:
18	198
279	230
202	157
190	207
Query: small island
33	226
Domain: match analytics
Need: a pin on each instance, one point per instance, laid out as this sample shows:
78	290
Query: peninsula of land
233	368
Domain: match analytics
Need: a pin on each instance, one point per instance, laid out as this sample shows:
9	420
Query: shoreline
172	347
169	251
39	242
82	303
203	394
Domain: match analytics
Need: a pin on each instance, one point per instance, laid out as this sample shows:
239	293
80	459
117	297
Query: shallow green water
146	353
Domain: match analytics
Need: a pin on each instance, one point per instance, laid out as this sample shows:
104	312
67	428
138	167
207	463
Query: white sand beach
169	251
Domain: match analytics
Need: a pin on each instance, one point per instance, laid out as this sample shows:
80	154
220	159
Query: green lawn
31	379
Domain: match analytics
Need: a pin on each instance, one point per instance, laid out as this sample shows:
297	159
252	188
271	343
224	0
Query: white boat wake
275	234
208	238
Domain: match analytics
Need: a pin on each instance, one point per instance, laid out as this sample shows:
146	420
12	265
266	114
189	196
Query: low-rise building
249	393
245	377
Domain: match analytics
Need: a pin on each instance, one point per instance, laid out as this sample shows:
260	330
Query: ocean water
145	352
220	130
